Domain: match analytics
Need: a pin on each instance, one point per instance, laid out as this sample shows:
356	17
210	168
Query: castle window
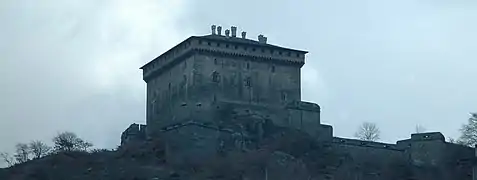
218	44
297	55
284	96
273	68
236	47
289	54
200	41
248	82
263	50
208	43
227	46
215	61
215	77
253	49
248	65
280	53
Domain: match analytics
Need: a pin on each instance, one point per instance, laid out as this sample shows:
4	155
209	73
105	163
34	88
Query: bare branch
469	131
68	141
420	129
39	149
368	132
22	153
7	158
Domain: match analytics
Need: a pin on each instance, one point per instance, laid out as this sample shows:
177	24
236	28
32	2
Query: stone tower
184	82
190	86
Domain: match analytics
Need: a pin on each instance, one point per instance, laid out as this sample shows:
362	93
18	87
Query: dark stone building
219	91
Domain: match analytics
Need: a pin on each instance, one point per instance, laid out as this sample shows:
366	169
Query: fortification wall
134	133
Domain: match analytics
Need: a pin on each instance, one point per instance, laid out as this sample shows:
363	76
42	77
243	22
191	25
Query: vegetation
63	142
368	132
469	132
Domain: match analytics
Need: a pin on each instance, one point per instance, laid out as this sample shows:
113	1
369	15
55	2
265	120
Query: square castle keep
201	91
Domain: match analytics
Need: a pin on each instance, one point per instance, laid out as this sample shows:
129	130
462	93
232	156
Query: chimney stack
213	29
262	39
244	34
227	33
219	30
234	31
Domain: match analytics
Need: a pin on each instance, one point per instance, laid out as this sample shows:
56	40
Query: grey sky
73	65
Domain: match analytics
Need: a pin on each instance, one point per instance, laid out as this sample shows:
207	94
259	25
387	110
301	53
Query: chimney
234	31
244	34
227	33
213	29
219	30
262	39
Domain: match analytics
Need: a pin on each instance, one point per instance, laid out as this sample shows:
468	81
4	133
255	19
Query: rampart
134	133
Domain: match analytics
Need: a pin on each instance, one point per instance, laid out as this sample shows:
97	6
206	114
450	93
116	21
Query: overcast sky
72	65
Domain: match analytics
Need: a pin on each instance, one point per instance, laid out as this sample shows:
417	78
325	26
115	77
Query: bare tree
39	149
22	153
455	141
420	129
469	131
68	141
7	158
368	132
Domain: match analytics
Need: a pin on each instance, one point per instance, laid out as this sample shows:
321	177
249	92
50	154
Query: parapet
133	132
370	144
428	136
218	43
302	105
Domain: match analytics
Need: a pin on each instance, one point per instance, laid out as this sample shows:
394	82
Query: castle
200	93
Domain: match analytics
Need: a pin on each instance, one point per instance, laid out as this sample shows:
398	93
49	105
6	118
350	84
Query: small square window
248	82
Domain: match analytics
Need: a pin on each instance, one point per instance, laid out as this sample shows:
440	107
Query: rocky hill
285	154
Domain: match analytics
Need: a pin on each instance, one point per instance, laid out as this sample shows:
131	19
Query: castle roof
236	40
245	42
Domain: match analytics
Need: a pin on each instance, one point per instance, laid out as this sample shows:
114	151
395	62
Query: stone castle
200	93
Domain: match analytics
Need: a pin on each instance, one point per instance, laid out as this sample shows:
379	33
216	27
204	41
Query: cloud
394	63
74	65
